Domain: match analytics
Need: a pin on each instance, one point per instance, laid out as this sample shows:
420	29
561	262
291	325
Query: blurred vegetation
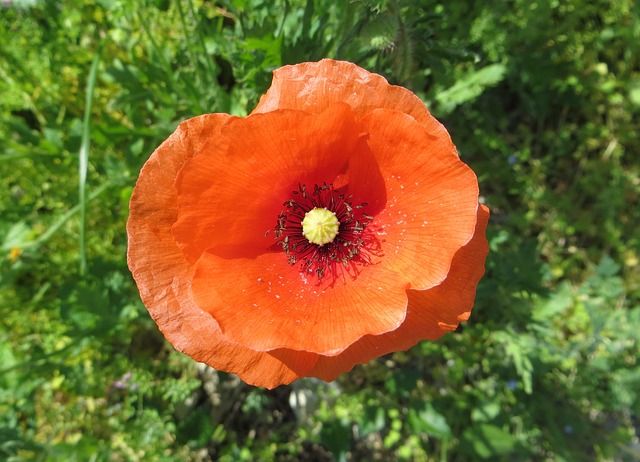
542	99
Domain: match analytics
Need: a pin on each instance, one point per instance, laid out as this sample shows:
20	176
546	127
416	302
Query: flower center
320	226
322	231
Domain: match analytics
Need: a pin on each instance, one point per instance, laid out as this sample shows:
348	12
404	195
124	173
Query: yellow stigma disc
320	226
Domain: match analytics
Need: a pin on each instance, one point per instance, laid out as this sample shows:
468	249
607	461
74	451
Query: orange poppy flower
332	225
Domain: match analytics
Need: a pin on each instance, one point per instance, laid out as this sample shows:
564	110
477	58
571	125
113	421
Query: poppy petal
163	275
232	192
271	304
431	196
312	87
430	314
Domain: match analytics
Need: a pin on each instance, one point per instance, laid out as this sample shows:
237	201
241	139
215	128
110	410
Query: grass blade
83	161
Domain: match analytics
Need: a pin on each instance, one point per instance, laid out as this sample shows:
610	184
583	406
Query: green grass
541	99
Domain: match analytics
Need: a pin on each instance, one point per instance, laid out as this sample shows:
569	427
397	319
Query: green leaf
429	421
16	236
373	420
486	412
336	436
607	267
558	304
469	87
489	441
8	379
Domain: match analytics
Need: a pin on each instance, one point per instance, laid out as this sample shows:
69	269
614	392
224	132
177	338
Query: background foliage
542	98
